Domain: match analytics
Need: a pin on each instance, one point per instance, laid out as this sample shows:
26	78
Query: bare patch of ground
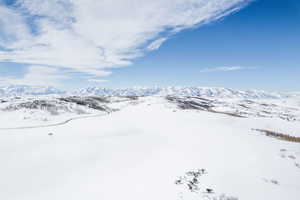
280	136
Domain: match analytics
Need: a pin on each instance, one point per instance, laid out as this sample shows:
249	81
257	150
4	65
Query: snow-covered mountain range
23	90
208	92
179	91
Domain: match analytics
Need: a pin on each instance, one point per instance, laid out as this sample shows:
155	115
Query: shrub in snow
191	179
224	197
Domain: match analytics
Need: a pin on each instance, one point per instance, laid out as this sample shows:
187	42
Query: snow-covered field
149	148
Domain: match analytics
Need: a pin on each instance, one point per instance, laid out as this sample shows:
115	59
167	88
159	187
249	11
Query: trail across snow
55	124
139	152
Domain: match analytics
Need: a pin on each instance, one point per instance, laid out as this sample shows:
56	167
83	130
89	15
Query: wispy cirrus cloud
91	36
226	69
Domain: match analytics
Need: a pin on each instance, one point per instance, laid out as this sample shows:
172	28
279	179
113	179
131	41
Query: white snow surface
139	151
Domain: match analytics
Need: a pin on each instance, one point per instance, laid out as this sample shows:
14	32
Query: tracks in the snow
55	124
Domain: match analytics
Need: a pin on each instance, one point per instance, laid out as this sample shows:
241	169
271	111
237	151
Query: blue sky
256	47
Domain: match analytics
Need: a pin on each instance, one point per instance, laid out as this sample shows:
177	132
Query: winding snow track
55	124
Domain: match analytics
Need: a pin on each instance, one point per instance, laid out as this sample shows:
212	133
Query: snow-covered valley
149	147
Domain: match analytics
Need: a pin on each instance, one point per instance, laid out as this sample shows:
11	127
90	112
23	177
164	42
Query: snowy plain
141	149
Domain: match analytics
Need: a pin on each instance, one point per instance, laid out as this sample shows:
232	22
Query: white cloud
37	75
13	29
225	69
89	36
156	44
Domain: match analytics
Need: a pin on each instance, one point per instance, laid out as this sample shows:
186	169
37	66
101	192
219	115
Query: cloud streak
225	69
98	80
92	36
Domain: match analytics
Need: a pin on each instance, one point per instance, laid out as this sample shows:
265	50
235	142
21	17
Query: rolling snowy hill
152	148
26	105
161	143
